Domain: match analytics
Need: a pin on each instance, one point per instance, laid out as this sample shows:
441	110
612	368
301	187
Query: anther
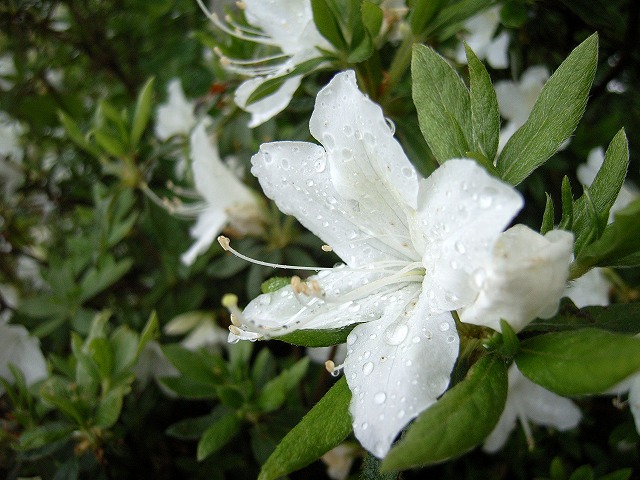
235	320
224	243
330	366
327	248
235	330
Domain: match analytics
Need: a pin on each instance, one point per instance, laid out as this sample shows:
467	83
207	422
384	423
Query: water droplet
444	326
284	163
335	373
310	183
486	198
460	248
267	158
265	300
428	335
320	164
391	125
352	235
365	425
454	264
347	154
450	339
401	414
415	339
479	276
408	363
367	368
407	172
328	141
379	398
372	336
396	333
348	131
367	354
351	338
358	134
431	294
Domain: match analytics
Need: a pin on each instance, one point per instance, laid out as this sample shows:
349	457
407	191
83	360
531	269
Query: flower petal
267	107
207	227
23	351
461	212
297	177
396	368
175	117
497	51
590	289
524	280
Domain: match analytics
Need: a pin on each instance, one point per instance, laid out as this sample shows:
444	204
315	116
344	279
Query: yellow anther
224	243
327	248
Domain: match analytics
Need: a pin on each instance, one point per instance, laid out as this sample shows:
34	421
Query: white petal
516	99
23	351
524	280
590	289
396	368
500	433
587	172
267	107
298	177
634	400
284	311
498	51
175	117
462	210
506	132
206	229
153	364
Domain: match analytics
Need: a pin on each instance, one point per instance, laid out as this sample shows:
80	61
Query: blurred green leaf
142	112
218	435
327	24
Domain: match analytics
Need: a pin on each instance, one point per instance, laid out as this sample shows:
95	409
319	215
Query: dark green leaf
142	113
318	338
422	12
327	24
44	434
581	362
218	435
324	427
457	422
566	222
547	217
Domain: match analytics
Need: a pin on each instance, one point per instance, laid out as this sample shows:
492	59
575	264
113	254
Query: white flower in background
153	365
201	327
480	33
286	25
11	153
587	173
23	351
410	246
527	266
176	116
7	71
339	460
394	13
592	288
527	401
630	386
322	354
227	201
516	100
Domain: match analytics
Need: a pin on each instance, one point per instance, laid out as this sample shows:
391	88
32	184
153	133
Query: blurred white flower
527	266
322	354
201	329
479	34
286	25
339	460
176	116
227	201
393	25
23	351
11	153
516	100
153	365
528	401
592	288
7	71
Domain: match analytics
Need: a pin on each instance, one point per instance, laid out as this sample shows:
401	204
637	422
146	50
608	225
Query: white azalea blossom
7	71
176	116
527	266
286	25
23	351
152	364
410	248
201	329
592	288
480	36
227	201
528	401
516	100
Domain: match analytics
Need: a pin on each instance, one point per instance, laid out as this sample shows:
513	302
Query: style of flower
286	25
176	116
479	34
23	351
227	201
528	401
410	248
516	100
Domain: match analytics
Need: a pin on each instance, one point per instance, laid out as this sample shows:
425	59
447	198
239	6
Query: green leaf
150	331
327	24
509	339
566	222
547	216
422	12
44	435
142	112
103	275
457	422
110	144
485	116
110	407
454	13
581	362
218	435
442	103
318	338
102	355
274	393
619	240
124	343
324	427
193	428
75	134
606	186
372	17
554	116
188	388
193	365
274	284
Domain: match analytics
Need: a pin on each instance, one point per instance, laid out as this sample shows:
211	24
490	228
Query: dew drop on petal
310	183
444	326
450	339
348	131
320	164
354	307
415	339
401	413
379	398
365	425
391	125
328	141
372	336
407	172
367	368
351	338
396	333
460	248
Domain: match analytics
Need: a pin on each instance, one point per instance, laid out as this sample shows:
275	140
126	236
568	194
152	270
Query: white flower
480	32
516	99
631	386
23	351
152	364
592	288
339	460
321	354
228	202
176	116
587	173
527	266
286	25
7	71
410	246
527	401
202	329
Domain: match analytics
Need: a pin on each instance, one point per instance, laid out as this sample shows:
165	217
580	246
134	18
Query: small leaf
442	103
110	407
150	331
325	426
187	388
274	393
45	434
554	116
318	338
124	343
566	222
510	339
142	112
485	116
581	362
327	24
75	134
547	216
218	435
274	284
422	12
457	422
110	144
372	17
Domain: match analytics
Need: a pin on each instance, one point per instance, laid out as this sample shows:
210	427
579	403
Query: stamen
225	243
251	61
327	248
235	330
332	368
527	432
